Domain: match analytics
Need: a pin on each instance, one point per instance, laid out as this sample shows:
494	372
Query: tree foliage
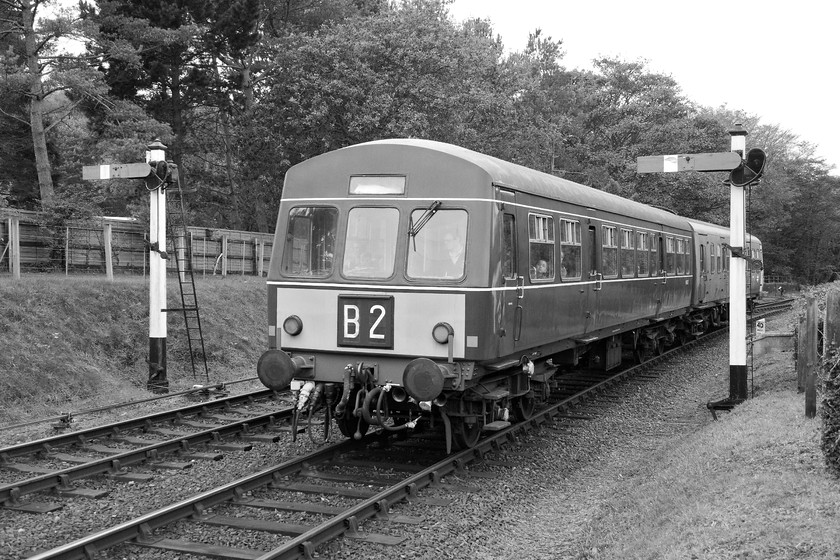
240	90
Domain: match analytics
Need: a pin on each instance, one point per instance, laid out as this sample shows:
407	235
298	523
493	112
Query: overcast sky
775	60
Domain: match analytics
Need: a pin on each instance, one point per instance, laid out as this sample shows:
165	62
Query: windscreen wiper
414	228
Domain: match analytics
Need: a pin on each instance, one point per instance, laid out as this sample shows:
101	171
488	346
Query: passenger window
310	241
680	255
541	247
655	265
719	259
371	243
712	258
642	253
689	261
628	254
570	250
609	253
670	255
438	249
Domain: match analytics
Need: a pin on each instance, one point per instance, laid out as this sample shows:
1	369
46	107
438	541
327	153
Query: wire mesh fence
120	246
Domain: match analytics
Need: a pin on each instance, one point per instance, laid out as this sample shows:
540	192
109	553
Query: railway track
290	509
55	463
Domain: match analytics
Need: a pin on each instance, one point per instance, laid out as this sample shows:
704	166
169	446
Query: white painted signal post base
737	282
725	161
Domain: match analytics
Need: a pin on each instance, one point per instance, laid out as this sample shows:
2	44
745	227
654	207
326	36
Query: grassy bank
72	342
752	485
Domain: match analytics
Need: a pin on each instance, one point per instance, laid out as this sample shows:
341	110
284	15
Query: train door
661	272
702	274
596	279
510	315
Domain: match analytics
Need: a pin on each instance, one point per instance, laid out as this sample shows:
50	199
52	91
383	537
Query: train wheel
660	346
524	406
465	436
639	354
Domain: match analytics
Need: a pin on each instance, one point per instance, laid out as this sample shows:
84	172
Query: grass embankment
70	343
752	485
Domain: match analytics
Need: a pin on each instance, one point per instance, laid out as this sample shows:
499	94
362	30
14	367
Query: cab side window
310	241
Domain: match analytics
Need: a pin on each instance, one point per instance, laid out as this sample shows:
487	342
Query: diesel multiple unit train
415	282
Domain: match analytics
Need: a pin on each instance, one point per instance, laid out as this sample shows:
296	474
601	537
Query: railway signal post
157	173
745	168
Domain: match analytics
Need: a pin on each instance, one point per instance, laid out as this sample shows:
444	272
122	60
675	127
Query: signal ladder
182	249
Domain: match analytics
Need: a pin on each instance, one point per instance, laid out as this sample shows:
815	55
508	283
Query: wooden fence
119	245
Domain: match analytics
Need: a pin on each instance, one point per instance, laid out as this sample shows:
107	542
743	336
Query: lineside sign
724	161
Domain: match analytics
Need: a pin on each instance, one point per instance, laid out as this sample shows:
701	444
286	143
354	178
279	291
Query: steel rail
11	493
142	526
72	414
49	444
304	545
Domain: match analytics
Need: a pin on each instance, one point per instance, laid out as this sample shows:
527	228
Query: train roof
715	229
400	155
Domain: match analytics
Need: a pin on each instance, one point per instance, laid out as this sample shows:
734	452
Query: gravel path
550	487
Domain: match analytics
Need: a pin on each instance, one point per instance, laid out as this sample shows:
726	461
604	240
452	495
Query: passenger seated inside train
542	270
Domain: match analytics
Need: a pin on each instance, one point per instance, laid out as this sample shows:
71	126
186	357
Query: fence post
67	251
14	246
261	257
801	354
224	255
831	335
109	260
811	360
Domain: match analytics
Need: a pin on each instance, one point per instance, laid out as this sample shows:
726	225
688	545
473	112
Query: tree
405	72
793	209
53	83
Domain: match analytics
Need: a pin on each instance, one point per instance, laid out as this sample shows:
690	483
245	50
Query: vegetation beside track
752	485
72	343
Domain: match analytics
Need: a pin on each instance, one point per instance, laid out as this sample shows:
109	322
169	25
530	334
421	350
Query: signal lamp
156	151
293	325
441	332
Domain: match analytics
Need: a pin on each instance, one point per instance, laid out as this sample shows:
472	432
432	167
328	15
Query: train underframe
466	399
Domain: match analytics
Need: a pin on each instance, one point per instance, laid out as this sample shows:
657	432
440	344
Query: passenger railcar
413	281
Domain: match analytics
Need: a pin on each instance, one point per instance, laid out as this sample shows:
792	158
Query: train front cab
364	298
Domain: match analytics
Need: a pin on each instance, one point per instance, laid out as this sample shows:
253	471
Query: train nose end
423	379
276	369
